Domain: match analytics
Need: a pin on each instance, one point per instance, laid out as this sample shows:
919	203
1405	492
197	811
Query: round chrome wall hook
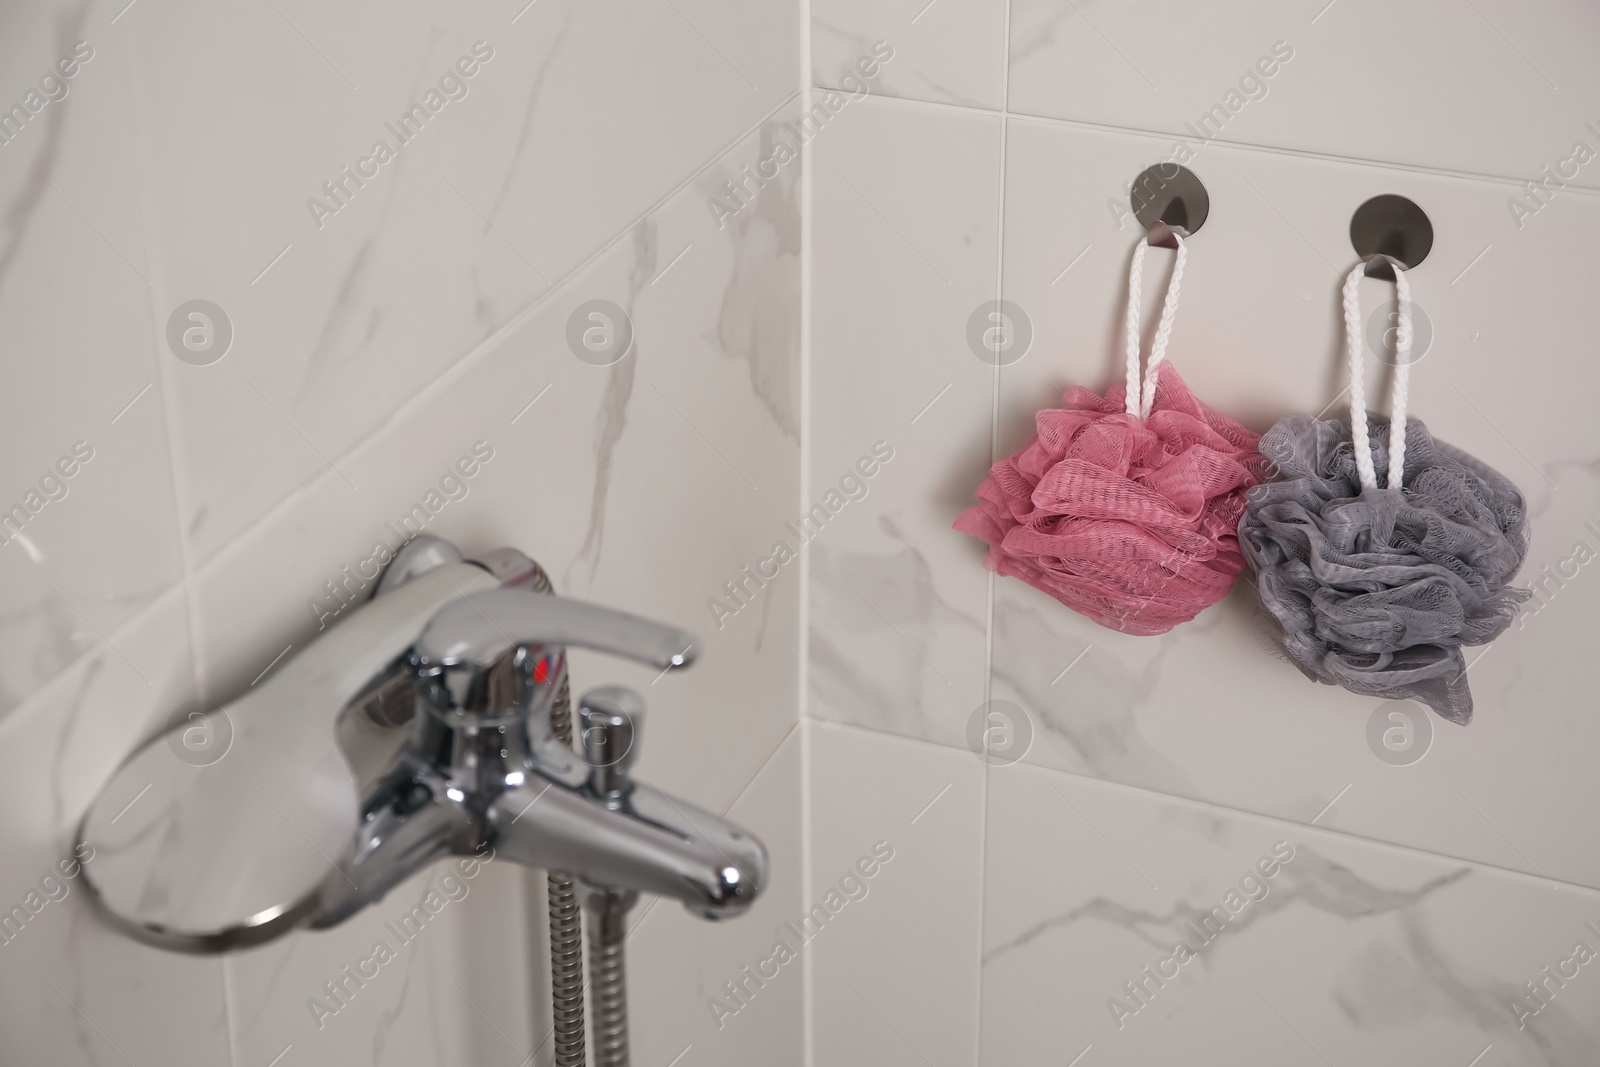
1163	236
1382	267
1171	194
1390	228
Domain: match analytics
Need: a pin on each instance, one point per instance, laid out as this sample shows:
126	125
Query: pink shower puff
1132	523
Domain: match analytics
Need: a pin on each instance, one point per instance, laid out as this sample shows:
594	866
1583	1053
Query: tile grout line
761	765
1245	146
1212	806
989	582
808	1013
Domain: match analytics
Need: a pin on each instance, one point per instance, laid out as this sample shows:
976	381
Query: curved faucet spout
655	845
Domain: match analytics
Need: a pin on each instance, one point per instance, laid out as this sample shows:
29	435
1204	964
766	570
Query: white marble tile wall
371	347
895	884
1304	945
1435	889
1349	952
985	158
906	216
80	348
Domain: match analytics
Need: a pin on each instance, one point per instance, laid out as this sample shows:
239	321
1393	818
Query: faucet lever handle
611	717
469	644
481	628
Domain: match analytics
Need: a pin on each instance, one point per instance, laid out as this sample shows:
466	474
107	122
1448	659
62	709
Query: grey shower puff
1378	590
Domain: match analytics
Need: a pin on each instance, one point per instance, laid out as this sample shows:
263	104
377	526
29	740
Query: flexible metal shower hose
608	930
566	916
566	931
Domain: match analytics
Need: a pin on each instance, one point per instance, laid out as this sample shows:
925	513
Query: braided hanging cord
1140	401
1400	391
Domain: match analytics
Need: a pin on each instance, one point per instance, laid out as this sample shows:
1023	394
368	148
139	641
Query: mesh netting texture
1378	590
1130	522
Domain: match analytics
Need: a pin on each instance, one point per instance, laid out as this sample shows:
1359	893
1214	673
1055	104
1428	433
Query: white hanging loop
1140	400
1358	388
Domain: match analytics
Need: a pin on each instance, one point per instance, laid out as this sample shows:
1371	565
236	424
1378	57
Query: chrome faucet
418	727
